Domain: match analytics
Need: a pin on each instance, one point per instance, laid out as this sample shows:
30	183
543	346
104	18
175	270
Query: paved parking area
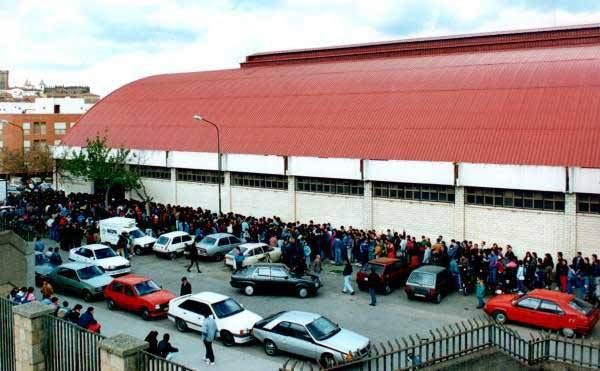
393	317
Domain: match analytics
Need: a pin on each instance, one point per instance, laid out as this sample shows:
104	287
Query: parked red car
392	273
551	310
138	294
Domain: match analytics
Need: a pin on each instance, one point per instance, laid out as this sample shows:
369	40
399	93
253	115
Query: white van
111	229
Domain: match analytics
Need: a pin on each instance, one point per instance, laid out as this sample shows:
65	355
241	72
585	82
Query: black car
429	282
274	278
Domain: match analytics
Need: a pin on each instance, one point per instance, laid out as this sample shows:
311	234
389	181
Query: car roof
219	235
383	261
209	297
551	295
131	279
94	246
270	265
75	265
173	234
430	269
251	245
299	317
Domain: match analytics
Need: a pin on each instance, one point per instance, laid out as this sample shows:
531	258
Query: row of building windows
552	201
334	186
279	182
200	176
536	200
409	191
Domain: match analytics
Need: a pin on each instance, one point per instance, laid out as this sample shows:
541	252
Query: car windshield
368	266
322	328
89	272
208	241
581	306
146	287
421	279
162	240
227	308
105	253
136	233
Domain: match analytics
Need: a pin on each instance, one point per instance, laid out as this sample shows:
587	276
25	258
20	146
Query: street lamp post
6	122
202	119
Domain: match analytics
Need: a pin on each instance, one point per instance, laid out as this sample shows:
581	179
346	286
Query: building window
410	191
552	201
26	145
200	176
588	203
333	186
26	128
39	143
154	172
60	128
39	128
259	181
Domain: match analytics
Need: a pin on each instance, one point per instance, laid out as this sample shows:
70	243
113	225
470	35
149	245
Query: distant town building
3	80
71	91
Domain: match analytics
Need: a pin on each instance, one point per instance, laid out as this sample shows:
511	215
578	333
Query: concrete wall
260	202
198	195
73	185
161	190
588	234
415	217
524	230
338	210
16	260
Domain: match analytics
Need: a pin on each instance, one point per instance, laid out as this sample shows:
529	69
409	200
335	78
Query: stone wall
16	260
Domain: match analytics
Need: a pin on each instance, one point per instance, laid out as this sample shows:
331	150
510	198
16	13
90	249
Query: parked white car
102	256
234	323
172	244
255	253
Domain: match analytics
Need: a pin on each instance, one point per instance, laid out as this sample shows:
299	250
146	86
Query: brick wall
339	210
260	202
198	195
588	234
416	217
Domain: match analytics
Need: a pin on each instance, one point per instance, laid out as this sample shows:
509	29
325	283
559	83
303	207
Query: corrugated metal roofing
537	106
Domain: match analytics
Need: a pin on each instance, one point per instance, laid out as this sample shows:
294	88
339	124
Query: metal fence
26	232
7	339
68	347
460	339
150	362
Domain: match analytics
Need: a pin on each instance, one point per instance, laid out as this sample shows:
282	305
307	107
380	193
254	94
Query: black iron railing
150	362
7	339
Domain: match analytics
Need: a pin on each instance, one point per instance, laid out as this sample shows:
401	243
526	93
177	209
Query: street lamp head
198	118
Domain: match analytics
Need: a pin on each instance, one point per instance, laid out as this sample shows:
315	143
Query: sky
108	43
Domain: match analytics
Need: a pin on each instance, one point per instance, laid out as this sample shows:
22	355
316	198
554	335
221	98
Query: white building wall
260	202
424	172
588	234
160	190
585	180
256	164
336	209
198	195
193	160
73	185
417	218
337	168
524	230
536	178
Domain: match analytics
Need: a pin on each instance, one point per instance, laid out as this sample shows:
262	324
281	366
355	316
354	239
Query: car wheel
227	338
249	290
567	332
145	314
87	296
181	325
111	304
327	360
173	255
302	292
270	348
387	290
438	298
137	250
500	317
218	257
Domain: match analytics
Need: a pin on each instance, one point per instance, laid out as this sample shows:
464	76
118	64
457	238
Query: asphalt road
393	317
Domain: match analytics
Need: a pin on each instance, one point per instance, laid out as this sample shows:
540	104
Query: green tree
105	167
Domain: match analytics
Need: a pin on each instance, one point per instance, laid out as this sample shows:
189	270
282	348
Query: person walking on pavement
209	332
186	287
347	278
480	292
122	244
373	282
193	257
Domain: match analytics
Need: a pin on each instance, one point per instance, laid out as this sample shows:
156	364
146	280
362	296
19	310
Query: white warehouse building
489	137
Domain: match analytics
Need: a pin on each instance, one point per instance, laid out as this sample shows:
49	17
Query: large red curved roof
531	101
